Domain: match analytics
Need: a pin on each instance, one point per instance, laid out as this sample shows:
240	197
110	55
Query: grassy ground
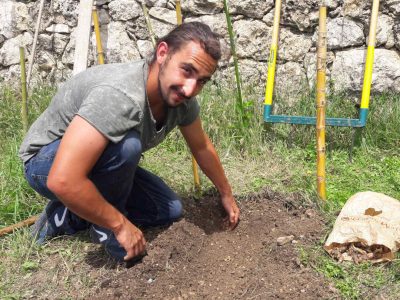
255	155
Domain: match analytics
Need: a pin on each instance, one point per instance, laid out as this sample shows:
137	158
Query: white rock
282	240
343	32
348	70
9	53
123	10
216	22
250	8
145	48
14	18
252	39
59	28
119	48
202	7
163	14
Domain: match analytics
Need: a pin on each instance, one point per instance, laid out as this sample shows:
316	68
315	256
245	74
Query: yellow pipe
366	91
100	55
321	100
195	168
272	54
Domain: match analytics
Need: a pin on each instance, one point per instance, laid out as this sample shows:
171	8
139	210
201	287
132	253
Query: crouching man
83	152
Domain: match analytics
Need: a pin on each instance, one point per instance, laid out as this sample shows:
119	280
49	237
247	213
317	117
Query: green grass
279	156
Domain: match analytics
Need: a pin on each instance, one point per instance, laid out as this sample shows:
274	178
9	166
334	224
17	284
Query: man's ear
162	52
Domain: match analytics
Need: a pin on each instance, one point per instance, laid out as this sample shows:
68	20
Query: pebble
282	240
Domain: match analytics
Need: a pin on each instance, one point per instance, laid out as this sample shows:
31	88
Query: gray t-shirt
112	98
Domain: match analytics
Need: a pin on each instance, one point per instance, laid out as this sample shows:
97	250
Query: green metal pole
24	107
235	59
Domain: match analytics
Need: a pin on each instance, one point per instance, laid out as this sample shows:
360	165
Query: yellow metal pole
370	56
272	54
321	100
100	55
24	106
196	177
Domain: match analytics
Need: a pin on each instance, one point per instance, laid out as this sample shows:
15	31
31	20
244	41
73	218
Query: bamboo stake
235	60
11	228
100	56
321	100
31	57
196	177
148	24
24	106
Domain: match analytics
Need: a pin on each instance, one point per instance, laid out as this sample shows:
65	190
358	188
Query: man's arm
79	150
208	160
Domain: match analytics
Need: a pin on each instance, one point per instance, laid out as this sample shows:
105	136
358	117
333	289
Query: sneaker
55	220
106	237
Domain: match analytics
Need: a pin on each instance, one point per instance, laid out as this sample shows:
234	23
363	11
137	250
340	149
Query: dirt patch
196	259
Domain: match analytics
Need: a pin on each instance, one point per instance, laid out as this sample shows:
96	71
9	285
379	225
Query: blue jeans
141	196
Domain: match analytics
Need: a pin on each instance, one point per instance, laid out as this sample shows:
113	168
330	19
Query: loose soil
196	258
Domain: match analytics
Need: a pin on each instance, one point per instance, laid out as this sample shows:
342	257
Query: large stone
384	32
216	22
156	3
9	53
290	81
250	8
356	9
123	10
394	6
163	14
160	28
252	39
58	28
145	48
343	32
45	61
119	48
348	70
202	7
301	14
138	28
293	47
68	8
14	18
56	42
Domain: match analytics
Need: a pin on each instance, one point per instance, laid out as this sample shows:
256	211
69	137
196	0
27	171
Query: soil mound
196	259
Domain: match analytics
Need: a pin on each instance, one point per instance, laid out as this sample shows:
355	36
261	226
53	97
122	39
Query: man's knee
176	210
124	154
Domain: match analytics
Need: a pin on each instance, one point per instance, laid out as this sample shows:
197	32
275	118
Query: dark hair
192	31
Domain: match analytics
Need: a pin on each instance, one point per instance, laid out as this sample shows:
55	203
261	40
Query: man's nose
190	87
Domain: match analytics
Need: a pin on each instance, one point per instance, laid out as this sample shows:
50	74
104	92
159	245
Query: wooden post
82	36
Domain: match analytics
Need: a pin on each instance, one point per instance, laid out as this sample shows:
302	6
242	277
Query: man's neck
157	105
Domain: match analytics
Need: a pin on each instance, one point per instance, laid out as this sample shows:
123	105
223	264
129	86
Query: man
83	151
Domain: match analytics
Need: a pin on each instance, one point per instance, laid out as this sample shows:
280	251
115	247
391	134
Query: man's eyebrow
189	65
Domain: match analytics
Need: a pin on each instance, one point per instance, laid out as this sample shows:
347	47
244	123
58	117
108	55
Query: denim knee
175	210
124	154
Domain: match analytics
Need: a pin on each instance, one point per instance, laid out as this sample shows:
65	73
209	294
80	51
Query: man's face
184	73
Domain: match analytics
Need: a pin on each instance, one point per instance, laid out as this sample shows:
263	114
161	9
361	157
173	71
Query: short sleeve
111	112
192	111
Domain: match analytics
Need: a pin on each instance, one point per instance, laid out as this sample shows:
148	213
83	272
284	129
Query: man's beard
164	97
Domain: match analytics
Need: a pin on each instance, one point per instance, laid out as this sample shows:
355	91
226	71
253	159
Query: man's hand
232	210
131	238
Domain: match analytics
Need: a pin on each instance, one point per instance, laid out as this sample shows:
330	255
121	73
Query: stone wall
125	37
